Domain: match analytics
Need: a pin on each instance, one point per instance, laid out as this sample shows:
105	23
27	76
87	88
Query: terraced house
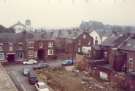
42	45
17	47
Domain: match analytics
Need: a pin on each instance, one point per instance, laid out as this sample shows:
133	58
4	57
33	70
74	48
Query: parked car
31	61
41	86
32	77
26	71
41	66
67	62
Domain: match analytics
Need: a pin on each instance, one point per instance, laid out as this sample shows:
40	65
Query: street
15	71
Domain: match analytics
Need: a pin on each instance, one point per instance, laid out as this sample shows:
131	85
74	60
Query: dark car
41	66
32	77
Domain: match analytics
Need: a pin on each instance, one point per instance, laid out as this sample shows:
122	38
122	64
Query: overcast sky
64	13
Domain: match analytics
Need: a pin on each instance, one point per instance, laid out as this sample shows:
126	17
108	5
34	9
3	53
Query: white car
31	61
41	86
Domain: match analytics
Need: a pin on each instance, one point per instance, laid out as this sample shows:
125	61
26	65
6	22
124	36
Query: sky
67	13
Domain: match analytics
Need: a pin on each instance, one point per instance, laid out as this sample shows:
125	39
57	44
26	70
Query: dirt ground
62	80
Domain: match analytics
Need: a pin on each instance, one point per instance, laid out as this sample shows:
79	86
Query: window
20	47
79	42
10	44
30	53
50	51
131	65
20	43
30	44
89	43
1	49
10	48
84	36
128	44
19	54
2	56
40	45
79	49
96	42
105	54
50	44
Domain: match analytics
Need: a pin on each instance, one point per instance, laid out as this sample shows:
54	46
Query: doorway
41	54
11	58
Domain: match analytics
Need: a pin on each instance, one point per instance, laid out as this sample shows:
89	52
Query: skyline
65	13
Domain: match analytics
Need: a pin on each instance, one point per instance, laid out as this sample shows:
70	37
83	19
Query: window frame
2	54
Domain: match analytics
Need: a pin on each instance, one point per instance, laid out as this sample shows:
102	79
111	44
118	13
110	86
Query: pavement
15	71
6	83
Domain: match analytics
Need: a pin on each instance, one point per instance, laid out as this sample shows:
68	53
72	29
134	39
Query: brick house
68	44
119	53
17	47
82	42
106	58
40	45
128	49
83	48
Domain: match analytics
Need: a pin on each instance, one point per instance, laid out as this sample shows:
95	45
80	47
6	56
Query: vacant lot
62	80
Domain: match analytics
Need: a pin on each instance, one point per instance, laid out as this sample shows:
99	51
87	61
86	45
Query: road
15	71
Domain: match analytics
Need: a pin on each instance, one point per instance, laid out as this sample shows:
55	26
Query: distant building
28	26
20	27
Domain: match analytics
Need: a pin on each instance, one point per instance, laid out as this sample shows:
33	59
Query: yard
62	80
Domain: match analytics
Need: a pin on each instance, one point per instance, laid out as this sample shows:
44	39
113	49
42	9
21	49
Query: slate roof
7	37
115	41
18	23
42	35
128	45
69	34
110	41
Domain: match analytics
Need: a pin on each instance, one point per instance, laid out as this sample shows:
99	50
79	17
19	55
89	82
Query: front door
41	54
11	58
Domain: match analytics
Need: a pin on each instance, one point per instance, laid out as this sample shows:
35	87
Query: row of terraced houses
106	56
44	45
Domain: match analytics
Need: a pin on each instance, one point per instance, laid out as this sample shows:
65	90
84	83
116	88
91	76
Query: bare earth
61	80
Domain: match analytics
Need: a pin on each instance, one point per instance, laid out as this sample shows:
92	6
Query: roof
67	34
105	67
18	23
97	47
97	62
7	37
110	41
115	41
128	45
131	75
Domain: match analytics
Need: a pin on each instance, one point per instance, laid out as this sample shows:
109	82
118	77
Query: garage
11	58
41	54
